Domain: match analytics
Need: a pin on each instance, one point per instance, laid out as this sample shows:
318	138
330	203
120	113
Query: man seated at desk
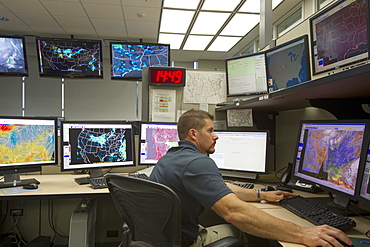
197	181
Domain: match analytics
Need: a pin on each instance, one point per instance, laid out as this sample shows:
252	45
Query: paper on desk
17	190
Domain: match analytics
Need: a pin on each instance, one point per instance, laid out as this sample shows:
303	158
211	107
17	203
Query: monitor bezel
227	75
362	155
96	166
349	62
135	78
267	151
25	73
11	168
306	53
140	139
360	179
71	75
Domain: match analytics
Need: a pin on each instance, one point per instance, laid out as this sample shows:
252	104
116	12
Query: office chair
151	212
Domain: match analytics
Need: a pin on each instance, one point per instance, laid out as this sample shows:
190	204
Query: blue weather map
99	145
74	58
12	57
128	59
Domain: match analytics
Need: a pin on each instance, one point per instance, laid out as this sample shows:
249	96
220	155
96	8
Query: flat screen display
244	151
97	145
128	59
155	140
340	35
364	181
246	75
13	60
288	64
70	58
329	154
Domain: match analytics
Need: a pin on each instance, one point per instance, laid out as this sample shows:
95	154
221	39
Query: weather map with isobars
70	58
159	141
26	143
333	155
98	145
128	60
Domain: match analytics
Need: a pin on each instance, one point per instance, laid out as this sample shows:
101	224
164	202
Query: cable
51	222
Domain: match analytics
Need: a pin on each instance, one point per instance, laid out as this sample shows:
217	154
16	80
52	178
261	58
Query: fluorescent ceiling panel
175	40
188	4
197	43
254	6
209	23
241	24
222	5
175	21
223	43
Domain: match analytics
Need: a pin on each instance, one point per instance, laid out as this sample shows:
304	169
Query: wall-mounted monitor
288	64
241	154
339	35
70	58
155	139
92	146
246	75
26	144
167	76
13	59
329	154
128	59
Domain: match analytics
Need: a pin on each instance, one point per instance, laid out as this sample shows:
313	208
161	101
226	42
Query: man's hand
325	236
276	195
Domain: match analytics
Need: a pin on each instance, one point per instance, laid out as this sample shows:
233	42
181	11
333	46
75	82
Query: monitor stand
94	173
240	176
13	180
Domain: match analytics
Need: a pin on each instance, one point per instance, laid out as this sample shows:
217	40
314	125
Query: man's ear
192	134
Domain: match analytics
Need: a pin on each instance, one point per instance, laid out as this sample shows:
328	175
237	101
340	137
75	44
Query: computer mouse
268	188
30	186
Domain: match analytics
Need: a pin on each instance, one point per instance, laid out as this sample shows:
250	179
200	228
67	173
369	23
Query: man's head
197	127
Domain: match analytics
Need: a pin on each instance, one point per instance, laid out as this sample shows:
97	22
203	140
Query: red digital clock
167	76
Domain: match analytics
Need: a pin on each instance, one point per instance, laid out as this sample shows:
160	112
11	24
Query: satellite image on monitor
12	57
342	35
333	155
159	141
98	145
128	60
70	58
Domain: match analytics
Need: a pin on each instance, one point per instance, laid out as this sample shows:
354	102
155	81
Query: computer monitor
13	59
288	64
155	140
94	145
246	75
128	59
339	35
26	144
70	58
329	154
241	154
363	186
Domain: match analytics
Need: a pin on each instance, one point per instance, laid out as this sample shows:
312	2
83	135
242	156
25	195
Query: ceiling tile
25	7
74	22
142	3
38	20
150	14
142	30
65	9
103	11
108	24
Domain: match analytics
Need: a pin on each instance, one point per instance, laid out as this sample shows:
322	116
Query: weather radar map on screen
129	59
70	58
12	56
340	36
288	64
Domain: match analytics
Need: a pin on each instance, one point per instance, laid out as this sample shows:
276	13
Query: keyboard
241	184
139	175
316	213
98	182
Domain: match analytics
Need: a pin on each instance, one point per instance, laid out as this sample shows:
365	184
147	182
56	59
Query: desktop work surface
64	186
54	186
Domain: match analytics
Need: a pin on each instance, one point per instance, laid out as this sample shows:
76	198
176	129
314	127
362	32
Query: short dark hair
192	119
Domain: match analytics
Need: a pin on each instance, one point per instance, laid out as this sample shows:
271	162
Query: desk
56	186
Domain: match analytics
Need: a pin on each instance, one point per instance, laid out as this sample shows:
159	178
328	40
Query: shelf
340	87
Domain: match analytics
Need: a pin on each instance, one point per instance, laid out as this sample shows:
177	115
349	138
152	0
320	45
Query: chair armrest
226	242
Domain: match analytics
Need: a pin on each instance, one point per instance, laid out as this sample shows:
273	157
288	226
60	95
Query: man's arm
254	221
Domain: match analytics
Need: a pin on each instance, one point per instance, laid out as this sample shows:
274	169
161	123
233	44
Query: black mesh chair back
150	210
